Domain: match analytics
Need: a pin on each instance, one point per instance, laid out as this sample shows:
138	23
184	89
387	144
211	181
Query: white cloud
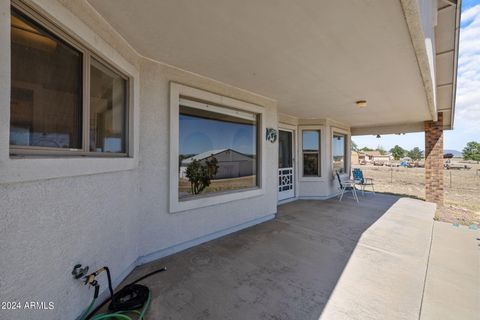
470	14
468	82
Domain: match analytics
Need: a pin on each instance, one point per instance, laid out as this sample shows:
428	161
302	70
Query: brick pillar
434	160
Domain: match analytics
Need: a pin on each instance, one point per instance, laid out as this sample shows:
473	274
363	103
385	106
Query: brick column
434	160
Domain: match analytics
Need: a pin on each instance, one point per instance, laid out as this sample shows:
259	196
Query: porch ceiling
316	58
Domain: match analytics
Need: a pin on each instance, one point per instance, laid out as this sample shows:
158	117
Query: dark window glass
285	152
46	94
107	109
338	152
311	152
227	140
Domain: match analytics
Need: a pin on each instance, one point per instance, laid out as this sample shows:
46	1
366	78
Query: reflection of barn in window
231	163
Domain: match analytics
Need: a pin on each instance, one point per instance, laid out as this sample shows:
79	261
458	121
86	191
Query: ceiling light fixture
361	103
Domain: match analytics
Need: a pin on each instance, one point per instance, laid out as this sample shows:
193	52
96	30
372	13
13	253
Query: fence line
461	179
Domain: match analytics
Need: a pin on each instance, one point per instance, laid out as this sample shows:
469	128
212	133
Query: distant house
363	157
376	156
231	163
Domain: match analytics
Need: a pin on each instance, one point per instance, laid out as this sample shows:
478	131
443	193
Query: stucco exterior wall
99	211
326	185
161	228
50	225
57	212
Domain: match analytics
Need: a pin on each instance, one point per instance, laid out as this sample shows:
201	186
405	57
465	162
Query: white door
286	172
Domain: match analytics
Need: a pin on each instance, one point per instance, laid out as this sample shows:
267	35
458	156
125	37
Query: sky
467	108
199	135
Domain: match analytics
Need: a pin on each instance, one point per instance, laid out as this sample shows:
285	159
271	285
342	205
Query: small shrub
200	175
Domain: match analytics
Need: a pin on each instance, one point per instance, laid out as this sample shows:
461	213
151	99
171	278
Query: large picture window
338	153
50	110
311	153
217	149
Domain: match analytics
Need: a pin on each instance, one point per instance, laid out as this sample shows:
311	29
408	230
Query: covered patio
104	100
317	259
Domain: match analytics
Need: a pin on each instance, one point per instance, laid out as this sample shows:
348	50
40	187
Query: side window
46	96
50	111
311	153
339	153
108	101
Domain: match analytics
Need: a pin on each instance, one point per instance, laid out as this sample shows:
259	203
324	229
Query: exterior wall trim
348	149
388	129
426	64
323	153
197	241
22	169
296	161
331	196
141	260
176	91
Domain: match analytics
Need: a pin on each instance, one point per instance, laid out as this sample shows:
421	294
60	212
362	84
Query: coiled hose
119	315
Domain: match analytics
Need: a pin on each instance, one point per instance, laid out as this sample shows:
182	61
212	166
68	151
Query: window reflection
107	109
46	93
311	152
208	139
338	152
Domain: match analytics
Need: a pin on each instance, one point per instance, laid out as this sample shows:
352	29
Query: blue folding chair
362	181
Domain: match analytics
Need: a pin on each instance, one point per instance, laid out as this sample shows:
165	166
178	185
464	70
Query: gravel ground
462	189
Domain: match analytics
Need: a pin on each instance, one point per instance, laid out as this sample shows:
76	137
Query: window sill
211	200
16	156
23	169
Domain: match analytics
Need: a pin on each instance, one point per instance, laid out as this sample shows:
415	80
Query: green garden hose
122	311
119	315
87	312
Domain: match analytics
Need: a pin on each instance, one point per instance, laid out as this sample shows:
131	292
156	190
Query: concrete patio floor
316	260
452	289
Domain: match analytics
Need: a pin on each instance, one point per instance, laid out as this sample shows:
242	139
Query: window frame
348	137
319	153
179	91
234	113
336	132
87	56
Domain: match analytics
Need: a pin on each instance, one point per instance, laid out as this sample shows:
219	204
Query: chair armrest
349	182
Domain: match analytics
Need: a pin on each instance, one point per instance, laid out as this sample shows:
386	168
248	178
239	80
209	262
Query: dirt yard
462	189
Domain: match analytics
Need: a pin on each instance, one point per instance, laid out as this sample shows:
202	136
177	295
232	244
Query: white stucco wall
326	185
57	212
164	229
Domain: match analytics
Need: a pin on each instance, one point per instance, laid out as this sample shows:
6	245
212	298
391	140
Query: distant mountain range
454	152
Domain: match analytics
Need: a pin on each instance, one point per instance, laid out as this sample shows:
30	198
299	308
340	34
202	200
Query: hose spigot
79	272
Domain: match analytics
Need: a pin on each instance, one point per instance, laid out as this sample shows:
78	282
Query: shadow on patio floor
286	268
